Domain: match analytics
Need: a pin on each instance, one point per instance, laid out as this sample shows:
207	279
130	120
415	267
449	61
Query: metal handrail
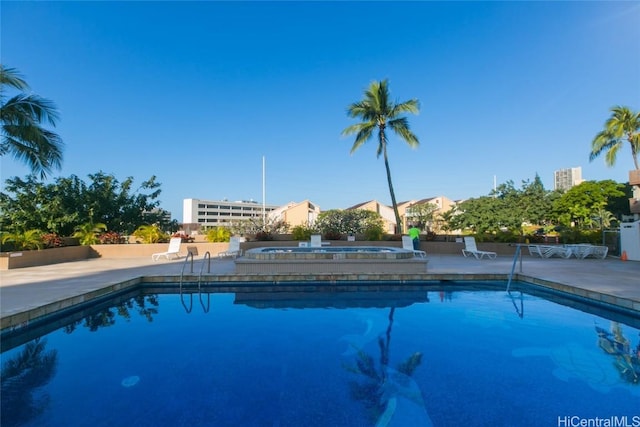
207	256
513	266
188	309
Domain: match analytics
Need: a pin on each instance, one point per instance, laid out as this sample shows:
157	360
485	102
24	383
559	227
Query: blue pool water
438	357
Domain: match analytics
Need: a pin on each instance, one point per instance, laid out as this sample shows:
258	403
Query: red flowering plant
51	240
110	238
184	237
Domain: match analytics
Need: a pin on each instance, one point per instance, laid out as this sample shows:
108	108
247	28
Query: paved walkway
29	288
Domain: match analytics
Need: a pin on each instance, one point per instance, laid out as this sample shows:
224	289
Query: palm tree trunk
391	192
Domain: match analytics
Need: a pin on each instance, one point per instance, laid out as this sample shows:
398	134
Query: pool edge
17	320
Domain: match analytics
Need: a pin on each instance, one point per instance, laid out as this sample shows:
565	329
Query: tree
336	222
422	215
68	202
623	125
590	199
23	135
377	112
507	208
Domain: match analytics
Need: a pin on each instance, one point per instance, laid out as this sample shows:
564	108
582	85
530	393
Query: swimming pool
434	355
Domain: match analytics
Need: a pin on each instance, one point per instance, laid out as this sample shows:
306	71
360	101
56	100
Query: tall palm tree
623	125
377	112
22	117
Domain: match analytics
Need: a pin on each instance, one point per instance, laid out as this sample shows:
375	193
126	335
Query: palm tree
30	239
377	112
22	134
623	125
88	232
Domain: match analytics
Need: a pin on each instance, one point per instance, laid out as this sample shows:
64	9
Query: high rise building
564	179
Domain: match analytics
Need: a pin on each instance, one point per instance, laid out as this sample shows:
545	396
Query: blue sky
197	93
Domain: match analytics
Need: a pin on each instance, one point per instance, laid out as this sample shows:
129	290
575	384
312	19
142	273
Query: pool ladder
517	256
205	307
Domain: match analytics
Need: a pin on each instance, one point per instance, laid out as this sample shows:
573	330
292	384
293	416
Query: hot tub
323	260
338	252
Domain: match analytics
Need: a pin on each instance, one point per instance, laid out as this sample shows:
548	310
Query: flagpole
264	202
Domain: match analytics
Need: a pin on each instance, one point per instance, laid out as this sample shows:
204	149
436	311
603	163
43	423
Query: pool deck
26	289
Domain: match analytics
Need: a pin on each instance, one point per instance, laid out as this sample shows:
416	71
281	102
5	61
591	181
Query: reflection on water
143	305
26	373
22	377
380	387
391	357
627	360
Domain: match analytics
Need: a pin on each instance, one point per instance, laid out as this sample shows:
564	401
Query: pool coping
227	282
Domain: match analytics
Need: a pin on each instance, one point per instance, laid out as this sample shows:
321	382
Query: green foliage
336	222
67	203
303	232
151	234
623	126
22	118
422	215
374	232
509	213
580	204
574	235
88	232
264	236
258	224
218	234
28	240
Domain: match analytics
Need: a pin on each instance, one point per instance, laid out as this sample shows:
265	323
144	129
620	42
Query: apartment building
386	212
212	213
408	214
564	179
296	213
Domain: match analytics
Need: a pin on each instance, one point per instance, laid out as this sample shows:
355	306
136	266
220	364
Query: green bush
30	239
264	236
575	235
218	234
332	235
88	232
151	234
374	232
302	232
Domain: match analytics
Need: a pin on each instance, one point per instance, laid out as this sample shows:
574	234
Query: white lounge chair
584	250
548	251
173	250
234	248
407	243
470	248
